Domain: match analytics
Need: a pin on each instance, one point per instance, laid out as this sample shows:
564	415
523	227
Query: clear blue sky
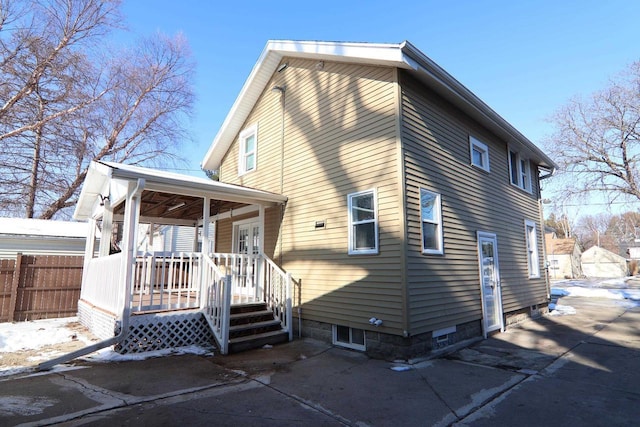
523	58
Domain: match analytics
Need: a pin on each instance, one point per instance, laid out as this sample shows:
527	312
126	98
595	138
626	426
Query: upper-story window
431	218
248	150
479	153
520	171
363	223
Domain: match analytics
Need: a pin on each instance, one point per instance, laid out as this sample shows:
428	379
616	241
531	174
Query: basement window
345	336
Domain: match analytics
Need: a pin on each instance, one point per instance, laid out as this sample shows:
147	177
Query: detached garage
599	262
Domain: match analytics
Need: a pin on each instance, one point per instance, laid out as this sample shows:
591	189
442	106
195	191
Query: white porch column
206	223
107	229
89	250
131	221
261	263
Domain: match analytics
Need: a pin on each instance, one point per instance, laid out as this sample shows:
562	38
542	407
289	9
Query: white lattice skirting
165	330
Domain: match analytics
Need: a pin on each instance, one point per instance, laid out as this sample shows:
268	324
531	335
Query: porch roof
172	197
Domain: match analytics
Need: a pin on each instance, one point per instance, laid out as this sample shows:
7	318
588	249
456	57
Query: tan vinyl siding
224	232
340	134
444	290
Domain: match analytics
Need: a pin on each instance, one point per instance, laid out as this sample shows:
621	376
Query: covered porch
130	290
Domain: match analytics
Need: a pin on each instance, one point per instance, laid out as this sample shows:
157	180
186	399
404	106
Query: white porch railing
169	281
217	309
278	294
166	281
101	282
246	281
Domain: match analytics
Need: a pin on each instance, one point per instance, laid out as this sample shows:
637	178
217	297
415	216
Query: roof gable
401	55
560	246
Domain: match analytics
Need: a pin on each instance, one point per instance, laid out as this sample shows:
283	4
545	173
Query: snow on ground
616	289
25	344
36	338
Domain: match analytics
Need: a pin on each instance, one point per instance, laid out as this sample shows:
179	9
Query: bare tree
596	141
68	99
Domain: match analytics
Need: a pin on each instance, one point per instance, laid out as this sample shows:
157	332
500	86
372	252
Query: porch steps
253	326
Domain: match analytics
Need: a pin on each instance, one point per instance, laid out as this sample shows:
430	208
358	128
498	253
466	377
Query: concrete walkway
582	369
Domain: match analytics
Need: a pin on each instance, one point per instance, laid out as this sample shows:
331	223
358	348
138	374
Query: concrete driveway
582	369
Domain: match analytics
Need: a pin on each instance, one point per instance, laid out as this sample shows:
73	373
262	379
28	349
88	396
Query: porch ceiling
174	208
167	198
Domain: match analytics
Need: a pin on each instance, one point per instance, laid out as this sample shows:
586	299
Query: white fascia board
390	55
458	94
95	183
168	182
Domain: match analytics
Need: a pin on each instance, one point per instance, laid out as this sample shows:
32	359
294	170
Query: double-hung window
431	220
479	154
248	150
520	171
363	223
532	248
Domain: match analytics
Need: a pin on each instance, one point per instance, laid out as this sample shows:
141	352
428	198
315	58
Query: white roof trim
401	55
100	173
367	53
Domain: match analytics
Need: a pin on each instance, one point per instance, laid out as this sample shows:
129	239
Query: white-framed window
532	249
520	171
431	222
363	223
349	337
479	154
248	154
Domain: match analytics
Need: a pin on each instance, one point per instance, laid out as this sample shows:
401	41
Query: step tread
250	314
254	325
257	336
240	308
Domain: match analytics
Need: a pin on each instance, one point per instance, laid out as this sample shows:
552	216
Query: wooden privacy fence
39	287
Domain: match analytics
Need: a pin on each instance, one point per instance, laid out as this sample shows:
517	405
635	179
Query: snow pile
36	334
561	310
578	291
108	355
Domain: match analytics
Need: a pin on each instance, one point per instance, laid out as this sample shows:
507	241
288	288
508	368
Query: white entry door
246	283
490	283
247	239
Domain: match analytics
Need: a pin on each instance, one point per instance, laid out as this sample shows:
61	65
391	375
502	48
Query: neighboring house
634	252
41	237
403	209
563	256
172	238
601	263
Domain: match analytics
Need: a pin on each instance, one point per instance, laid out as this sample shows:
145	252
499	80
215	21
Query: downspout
126	310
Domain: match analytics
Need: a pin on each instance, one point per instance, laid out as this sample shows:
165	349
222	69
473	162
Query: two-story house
410	201
403	212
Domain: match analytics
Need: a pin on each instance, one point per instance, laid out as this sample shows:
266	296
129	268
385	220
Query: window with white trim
479	154
349	337
248	150
431	222
532	249
363	223
520	171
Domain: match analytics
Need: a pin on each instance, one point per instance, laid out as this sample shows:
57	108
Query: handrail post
226	315
289	307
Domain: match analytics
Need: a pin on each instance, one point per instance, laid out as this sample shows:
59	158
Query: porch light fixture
174	207
277	88
103	198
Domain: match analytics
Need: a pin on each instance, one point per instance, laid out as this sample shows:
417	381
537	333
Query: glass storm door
490	283
247	242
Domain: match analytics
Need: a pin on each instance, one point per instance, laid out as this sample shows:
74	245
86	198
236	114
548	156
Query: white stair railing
278	293
216	287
